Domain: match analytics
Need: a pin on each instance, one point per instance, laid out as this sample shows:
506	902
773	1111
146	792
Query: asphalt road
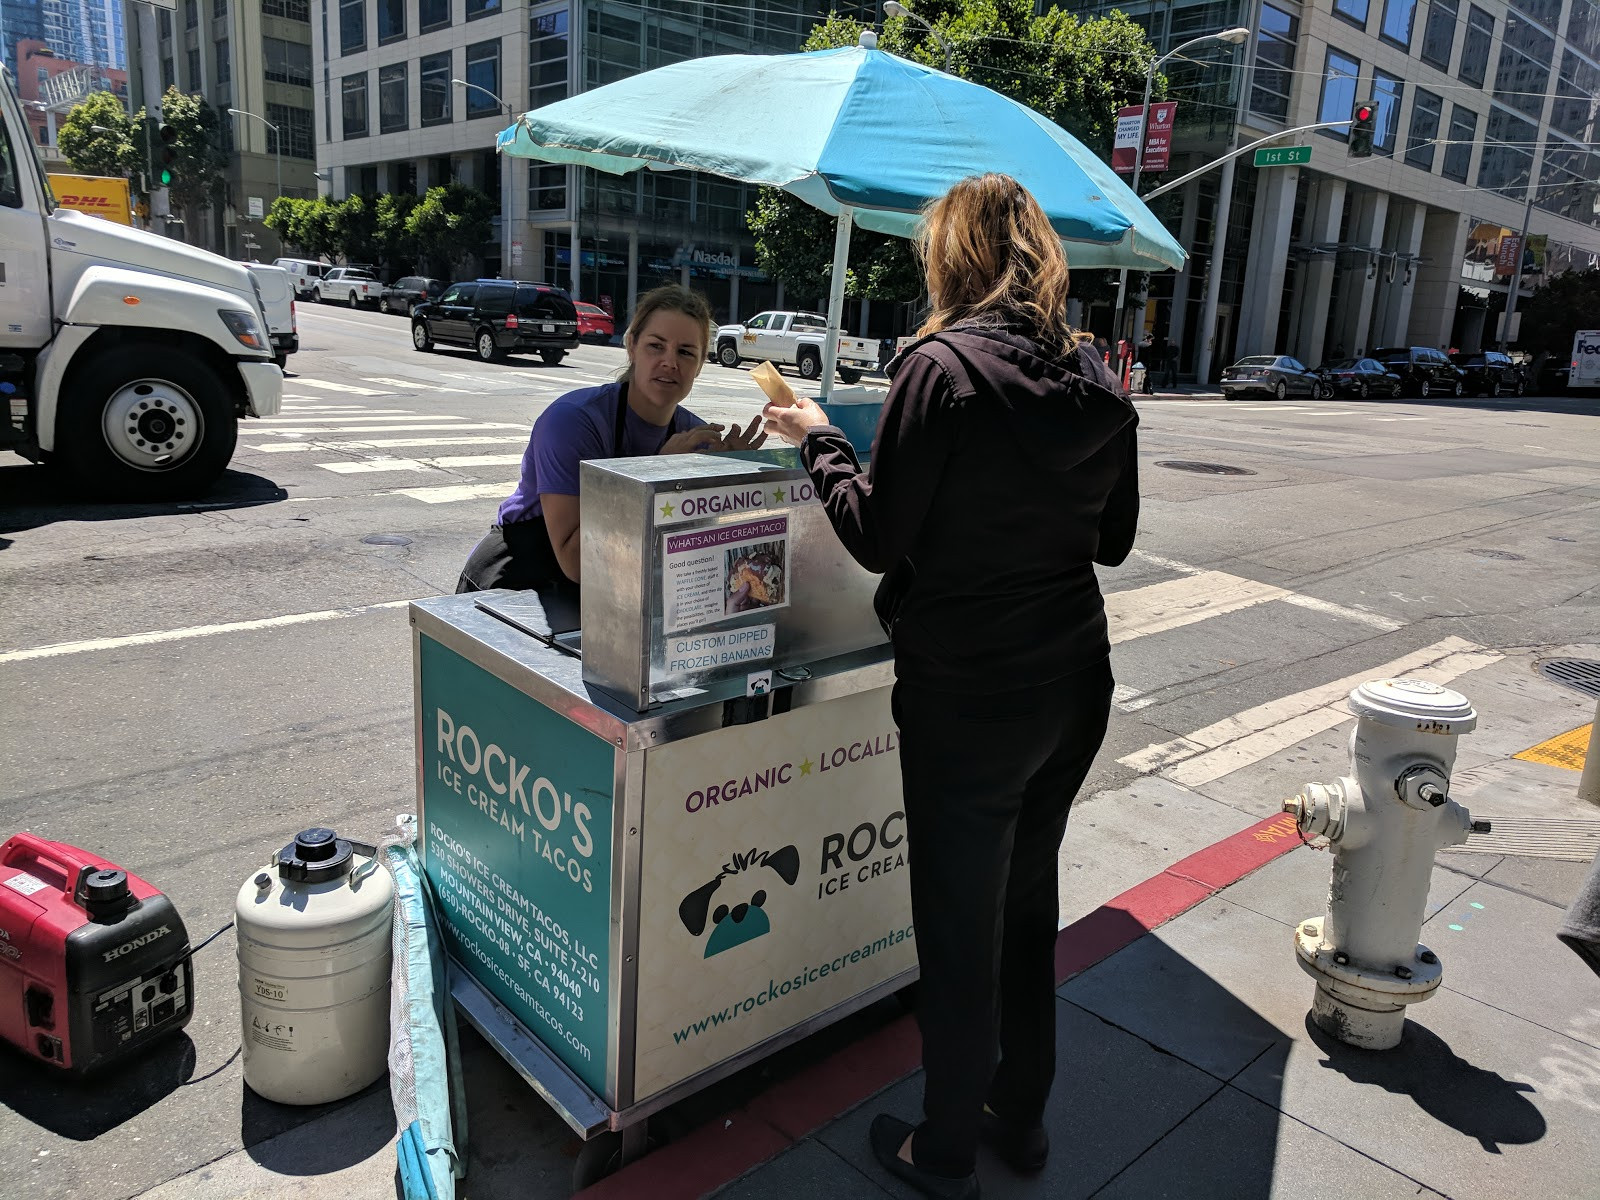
161	709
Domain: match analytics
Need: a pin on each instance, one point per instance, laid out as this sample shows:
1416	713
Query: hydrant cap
1413	704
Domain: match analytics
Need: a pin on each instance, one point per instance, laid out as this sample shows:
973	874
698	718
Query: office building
49	86
390	118
1478	102
252	55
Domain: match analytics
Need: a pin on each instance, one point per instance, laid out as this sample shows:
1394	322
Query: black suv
497	317
407	292
1489	373
1423	370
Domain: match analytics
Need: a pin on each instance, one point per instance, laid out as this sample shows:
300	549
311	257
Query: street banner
1157	137
1505	262
1127	139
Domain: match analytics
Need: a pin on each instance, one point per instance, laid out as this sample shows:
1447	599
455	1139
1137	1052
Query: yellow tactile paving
1565	750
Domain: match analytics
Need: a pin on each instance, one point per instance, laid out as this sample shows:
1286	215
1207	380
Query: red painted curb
729	1145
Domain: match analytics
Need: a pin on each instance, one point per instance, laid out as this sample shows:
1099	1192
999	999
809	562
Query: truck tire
728	354
486	347
849	374
552	358
809	363
282	360
140	425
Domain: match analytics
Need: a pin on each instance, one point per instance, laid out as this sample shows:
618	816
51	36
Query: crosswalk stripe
317	430
390	443
377	465
301	415
415	383
338	387
449	495
1173	603
1247	737
1387	624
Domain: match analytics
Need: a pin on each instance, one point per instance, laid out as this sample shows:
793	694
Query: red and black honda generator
94	962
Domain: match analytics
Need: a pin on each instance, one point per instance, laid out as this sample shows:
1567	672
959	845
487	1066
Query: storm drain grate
1204	468
1574	840
1580	673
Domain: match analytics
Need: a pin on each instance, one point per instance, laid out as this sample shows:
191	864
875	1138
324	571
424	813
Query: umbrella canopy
849	128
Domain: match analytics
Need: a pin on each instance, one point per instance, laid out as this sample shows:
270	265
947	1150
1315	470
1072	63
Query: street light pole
505	184
277	142
893	8
1231	37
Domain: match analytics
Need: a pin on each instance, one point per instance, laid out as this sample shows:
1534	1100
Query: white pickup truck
349	285
793	339
127	358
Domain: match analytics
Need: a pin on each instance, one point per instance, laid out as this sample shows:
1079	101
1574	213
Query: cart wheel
597	1158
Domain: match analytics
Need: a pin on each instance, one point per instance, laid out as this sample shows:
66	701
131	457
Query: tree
355	229
1553	314
449	223
1077	72
88	151
198	178
395	244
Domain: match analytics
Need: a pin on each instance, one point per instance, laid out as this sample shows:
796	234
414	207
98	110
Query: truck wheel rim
152	424
729	356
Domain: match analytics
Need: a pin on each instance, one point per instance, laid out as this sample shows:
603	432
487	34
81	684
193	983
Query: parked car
1489	373
594	323
304	274
1423	370
497	317
277	302
1277	375
1361	377
349	285
407	292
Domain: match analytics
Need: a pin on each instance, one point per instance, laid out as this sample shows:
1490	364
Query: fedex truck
1585	360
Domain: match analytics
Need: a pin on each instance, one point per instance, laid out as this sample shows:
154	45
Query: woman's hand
746	438
690	441
792	422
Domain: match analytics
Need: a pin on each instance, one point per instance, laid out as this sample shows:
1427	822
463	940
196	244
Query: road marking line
301	415
1171	564
317	431
1256	733
193	631
374	465
1387	624
1269	408
415	383
391	443
1174	603
449	495
338	387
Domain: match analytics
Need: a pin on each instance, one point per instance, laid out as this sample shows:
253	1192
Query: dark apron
520	555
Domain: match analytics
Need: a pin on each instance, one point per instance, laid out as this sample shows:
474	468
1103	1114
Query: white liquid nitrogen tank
314	950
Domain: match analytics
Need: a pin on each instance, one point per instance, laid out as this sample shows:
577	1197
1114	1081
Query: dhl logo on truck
86	202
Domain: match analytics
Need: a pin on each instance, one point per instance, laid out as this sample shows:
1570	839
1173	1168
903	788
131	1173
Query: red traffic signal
1363	125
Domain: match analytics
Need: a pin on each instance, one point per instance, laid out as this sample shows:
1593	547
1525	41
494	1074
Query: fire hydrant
1384	826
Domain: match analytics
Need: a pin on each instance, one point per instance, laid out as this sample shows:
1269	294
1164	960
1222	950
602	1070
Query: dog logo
746	920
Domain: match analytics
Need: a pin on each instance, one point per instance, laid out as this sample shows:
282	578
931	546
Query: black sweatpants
988	782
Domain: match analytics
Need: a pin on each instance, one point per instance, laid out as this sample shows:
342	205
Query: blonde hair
670	298
991	258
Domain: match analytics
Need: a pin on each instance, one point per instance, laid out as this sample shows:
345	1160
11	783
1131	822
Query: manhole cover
1505	554
385	539
1580	673
1204	468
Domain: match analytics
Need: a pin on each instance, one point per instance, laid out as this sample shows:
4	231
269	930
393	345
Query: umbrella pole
841	264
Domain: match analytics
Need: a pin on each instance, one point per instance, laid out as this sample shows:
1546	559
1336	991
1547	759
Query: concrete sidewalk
1187	1066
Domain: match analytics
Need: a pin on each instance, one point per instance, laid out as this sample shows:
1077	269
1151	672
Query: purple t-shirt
580	426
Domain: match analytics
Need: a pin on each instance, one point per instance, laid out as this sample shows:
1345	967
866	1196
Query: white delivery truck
1585	360
792	339
126	357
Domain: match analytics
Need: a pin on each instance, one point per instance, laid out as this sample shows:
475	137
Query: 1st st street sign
1283	156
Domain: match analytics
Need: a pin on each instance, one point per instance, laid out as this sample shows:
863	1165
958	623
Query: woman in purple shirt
534	542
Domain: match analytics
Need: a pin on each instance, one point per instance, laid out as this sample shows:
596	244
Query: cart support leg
841	264
634	1138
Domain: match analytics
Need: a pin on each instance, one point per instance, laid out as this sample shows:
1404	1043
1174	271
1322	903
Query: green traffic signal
169	152
166	177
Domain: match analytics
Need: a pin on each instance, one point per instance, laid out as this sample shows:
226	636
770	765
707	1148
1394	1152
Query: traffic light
1363	124
168	154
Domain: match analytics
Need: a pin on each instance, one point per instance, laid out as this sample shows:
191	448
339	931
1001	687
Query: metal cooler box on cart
671	856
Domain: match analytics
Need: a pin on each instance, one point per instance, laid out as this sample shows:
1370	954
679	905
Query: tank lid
104	893
316	855
1413	704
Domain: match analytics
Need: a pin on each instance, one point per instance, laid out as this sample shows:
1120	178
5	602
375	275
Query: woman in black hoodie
1002	470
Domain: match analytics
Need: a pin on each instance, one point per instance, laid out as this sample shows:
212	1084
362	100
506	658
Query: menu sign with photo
710	575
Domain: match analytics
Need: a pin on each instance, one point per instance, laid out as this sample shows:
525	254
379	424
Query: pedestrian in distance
1172	365
1147	356
534	542
1003	679
1158	359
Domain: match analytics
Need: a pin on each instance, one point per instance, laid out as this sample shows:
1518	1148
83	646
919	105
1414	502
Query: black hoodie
999	475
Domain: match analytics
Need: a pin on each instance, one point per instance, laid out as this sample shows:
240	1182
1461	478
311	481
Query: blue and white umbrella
863	135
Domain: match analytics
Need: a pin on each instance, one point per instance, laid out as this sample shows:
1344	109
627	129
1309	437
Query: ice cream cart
666	833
